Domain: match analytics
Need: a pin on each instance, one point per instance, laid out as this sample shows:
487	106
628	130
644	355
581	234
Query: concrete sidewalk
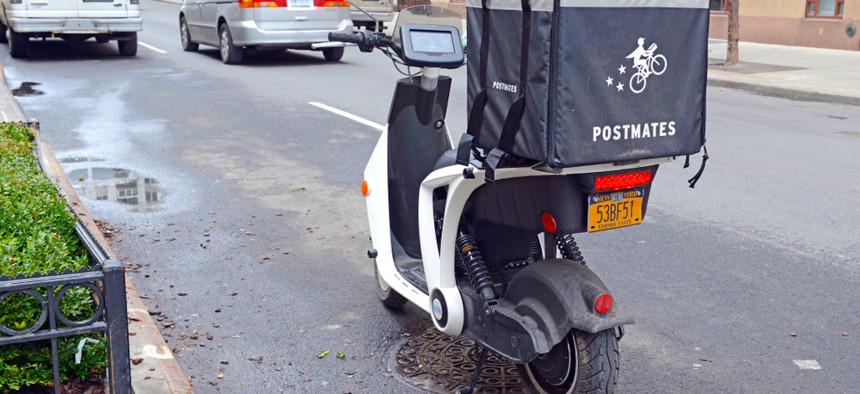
788	71
154	370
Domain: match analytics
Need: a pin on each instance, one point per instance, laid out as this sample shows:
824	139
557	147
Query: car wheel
128	47
3	38
185	37
17	44
333	54
229	53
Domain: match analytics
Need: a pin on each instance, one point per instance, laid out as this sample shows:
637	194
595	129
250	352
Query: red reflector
603	303
365	188
548	222
625	180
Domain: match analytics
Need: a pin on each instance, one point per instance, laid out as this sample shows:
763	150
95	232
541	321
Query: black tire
102	39
229	53
333	54
185	37
3	38
581	363
389	297
18	44
128	47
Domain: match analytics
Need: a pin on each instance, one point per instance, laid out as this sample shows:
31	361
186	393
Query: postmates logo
645	63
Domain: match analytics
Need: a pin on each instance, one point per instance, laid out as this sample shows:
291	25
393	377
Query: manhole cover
443	364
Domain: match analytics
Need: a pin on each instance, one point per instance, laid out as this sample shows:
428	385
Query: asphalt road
258	236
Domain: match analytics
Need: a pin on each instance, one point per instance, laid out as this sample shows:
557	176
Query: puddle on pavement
26	89
116	184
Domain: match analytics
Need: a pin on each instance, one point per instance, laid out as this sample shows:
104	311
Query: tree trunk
732	47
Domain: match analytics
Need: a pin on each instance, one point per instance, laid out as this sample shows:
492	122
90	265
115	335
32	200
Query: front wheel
389	297
581	363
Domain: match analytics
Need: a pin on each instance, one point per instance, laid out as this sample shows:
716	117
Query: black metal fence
105	282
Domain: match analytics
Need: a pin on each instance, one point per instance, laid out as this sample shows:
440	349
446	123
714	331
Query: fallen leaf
136	361
225	362
323	354
340	355
844	333
794	334
220	376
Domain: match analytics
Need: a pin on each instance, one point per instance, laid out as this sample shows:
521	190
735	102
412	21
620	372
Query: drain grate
442	364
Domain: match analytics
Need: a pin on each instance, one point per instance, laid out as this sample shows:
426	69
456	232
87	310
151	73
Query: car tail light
262	3
329	3
625	180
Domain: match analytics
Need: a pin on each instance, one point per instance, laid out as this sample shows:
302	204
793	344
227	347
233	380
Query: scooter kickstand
478	367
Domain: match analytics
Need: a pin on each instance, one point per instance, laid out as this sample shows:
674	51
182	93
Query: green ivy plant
37	236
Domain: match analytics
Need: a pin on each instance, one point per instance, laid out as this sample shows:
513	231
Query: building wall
784	23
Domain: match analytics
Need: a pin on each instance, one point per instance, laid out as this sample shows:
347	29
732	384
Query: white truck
71	20
366	13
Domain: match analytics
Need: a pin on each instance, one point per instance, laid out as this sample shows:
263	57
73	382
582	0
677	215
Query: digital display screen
432	42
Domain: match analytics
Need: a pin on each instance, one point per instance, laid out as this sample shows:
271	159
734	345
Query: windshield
427	15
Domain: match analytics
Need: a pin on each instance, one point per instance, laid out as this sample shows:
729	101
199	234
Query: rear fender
558	295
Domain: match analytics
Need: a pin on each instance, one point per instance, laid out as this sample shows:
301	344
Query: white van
71	20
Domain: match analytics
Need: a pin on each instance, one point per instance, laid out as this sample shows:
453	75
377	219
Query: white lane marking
150	47
348	115
807	364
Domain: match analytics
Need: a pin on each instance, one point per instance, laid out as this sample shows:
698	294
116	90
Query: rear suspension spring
568	247
473	262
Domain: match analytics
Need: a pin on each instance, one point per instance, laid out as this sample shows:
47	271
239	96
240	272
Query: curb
154	368
792	94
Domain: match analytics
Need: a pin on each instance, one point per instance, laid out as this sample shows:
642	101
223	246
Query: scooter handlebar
365	40
352	38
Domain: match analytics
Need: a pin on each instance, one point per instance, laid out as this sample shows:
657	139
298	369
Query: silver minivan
237	25
71	20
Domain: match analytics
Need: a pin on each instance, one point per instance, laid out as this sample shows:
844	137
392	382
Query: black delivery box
577	82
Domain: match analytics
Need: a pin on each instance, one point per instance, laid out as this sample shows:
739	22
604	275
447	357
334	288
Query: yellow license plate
614	209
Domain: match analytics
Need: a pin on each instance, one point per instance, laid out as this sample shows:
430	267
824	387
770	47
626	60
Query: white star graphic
620	86
622	69
609	81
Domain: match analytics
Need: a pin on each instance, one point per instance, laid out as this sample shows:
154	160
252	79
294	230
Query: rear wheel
128	47
3	38
229	53
581	363
185	37
17	44
389	297
333	54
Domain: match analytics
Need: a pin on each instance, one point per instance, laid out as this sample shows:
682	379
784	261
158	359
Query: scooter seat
449	158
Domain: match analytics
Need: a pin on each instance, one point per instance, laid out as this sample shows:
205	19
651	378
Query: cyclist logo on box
646	63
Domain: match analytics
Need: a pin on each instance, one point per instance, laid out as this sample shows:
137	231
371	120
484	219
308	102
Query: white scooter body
439	265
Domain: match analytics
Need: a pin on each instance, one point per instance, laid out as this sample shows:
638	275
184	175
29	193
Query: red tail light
262	3
548	222
621	181
603	303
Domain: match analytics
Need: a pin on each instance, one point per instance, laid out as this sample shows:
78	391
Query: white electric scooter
480	257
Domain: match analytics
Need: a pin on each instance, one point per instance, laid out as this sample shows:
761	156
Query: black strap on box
476	113
515	113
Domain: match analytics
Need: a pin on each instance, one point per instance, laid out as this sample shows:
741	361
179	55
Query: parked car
237	25
365	13
71	20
